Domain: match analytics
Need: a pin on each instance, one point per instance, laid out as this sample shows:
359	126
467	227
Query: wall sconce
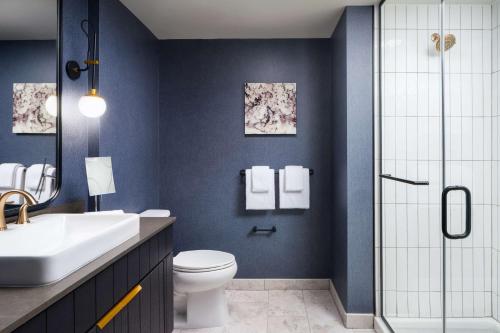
90	105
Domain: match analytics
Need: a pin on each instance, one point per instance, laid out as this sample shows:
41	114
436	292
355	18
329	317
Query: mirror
29	100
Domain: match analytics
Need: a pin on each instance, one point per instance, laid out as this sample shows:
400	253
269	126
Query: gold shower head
449	41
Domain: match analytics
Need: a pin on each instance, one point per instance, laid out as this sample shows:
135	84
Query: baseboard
351	320
279	284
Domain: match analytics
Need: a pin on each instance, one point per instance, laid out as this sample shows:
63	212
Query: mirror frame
15	211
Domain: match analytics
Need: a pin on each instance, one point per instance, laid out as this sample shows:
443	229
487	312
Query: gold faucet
23	210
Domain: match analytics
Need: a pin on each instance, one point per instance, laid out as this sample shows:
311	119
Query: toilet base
204	309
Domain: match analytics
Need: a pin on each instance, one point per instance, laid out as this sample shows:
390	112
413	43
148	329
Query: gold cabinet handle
119	306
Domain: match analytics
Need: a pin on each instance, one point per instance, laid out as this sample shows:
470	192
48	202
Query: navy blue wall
129	130
202	145
203	148
352	102
128	80
339	167
74	129
25	62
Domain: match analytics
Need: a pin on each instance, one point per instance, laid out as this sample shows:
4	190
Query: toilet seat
200	261
205	270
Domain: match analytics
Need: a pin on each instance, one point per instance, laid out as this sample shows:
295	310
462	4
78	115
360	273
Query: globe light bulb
92	105
51	105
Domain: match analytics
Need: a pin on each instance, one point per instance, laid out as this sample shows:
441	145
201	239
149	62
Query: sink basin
54	245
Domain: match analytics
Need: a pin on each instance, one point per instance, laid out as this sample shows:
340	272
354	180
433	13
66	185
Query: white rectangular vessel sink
54	245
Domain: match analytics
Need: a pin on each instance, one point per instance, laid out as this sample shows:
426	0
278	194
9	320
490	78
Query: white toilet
199	282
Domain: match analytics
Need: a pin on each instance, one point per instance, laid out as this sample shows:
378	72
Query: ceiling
28	19
210	19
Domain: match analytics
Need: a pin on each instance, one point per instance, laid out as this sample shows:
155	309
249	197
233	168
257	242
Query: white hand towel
8	174
259	200
20	175
294	178
259	177
48	185
33	175
294	200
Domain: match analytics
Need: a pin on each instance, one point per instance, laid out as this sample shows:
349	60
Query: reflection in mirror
28	102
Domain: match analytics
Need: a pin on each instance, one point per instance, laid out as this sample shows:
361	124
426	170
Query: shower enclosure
438	165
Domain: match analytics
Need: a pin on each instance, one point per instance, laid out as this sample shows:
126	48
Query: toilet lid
202	260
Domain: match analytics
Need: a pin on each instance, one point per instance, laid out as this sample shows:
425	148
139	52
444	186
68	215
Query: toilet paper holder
255	229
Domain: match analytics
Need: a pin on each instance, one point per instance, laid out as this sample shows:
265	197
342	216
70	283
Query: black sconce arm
73	69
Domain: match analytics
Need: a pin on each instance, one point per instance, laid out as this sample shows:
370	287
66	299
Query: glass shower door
466	206
439	144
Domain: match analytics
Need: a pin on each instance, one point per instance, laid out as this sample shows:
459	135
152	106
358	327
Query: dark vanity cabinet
148	267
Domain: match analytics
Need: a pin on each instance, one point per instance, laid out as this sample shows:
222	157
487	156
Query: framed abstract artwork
270	108
29	112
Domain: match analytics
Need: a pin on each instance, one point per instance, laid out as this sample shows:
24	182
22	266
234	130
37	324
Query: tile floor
280	311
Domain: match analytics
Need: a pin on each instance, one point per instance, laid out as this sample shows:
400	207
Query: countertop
18	305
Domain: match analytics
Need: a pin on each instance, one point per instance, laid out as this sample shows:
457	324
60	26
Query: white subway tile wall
492	182
411	148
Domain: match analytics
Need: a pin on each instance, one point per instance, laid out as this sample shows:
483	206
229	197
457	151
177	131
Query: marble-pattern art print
270	108
29	113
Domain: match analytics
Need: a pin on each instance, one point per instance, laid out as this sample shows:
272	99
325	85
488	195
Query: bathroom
280	166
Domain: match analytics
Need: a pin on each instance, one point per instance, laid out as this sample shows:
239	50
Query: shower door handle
444	212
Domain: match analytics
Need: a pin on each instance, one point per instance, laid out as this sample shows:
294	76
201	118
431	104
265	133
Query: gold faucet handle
23	217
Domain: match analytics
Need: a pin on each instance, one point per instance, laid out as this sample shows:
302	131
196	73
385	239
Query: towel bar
402	180
273	229
242	172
